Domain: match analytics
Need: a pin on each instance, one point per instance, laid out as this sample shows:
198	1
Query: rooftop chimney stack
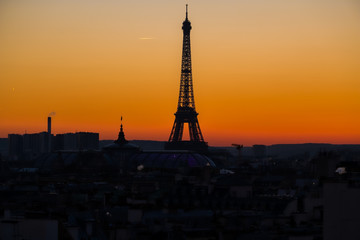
49	125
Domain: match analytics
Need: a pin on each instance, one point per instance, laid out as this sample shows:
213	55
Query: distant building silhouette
15	146
186	113
28	146
77	141
31	146
36	143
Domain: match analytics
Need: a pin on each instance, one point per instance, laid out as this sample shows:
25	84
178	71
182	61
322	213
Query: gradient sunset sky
264	71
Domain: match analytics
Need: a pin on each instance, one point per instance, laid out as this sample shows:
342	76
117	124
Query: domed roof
171	159
121	143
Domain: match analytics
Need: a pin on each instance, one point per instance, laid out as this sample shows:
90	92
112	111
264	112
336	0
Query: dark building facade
28	146
31	146
15	146
76	141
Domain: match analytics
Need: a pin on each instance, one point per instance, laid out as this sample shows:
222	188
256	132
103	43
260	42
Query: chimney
49	125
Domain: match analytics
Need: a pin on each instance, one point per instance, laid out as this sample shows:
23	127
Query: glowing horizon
264	73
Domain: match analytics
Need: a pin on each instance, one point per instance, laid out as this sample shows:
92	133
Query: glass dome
171	159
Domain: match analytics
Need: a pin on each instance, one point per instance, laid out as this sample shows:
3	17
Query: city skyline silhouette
265	73
98	140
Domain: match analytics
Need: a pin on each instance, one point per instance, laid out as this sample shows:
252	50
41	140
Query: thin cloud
146	38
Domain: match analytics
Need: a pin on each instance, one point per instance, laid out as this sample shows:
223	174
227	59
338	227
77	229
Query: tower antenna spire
186	11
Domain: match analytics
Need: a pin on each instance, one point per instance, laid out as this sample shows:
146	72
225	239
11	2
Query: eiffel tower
186	112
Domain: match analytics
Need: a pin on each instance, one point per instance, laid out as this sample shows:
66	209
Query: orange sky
264	72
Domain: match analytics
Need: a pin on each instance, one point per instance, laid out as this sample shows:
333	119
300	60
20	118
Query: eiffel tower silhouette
186	112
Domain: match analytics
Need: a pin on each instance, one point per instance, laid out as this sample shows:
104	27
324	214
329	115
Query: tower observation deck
186	113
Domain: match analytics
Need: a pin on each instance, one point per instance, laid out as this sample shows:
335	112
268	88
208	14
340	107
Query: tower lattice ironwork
186	112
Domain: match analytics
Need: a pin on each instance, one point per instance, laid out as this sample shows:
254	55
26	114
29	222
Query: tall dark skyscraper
186	113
